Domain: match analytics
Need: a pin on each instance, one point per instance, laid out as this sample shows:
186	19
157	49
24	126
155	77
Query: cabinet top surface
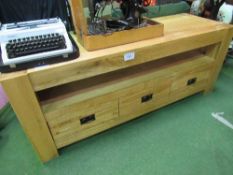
175	27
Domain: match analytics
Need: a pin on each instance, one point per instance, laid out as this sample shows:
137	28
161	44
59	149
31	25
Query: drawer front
188	83
81	116
184	81
144	97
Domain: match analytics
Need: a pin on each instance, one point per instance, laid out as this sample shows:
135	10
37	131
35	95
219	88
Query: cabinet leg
26	106
219	58
206	91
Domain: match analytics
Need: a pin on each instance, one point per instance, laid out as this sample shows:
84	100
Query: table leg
219	54
26	106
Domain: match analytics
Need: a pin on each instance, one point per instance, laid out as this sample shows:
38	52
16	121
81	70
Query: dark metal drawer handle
87	119
191	81
147	98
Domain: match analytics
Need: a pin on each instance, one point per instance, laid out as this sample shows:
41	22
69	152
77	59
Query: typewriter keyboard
35	44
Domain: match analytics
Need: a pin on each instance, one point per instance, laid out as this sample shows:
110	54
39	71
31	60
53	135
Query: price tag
129	56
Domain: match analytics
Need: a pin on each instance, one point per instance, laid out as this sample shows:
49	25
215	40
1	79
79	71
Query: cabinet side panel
28	111
220	53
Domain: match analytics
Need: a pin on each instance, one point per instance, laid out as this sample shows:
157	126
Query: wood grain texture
112	62
66	121
180	36
102	83
176	28
219	55
78	16
82	134
180	82
152	30
67	95
122	37
27	108
130	99
63	115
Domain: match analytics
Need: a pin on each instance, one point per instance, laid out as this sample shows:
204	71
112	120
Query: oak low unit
63	103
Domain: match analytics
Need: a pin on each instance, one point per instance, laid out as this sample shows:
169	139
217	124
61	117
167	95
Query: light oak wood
66	95
63	114
153	29
64	140
131	99
179	37
185	61
66	121
111	60
24	102
79	18
219	57
180	82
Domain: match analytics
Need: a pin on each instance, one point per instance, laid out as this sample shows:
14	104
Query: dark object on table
132	11
25	10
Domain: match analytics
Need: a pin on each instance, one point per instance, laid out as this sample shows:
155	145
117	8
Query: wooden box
95	42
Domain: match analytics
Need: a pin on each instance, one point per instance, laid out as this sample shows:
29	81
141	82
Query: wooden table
62	103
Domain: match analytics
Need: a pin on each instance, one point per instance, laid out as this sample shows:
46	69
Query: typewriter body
33	40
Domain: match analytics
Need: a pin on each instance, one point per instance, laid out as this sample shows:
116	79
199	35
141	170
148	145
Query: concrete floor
180	139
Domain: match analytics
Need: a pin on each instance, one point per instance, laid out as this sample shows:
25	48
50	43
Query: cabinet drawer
187	83
144	97
81	116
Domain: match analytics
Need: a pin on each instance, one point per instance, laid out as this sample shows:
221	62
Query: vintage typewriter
24	42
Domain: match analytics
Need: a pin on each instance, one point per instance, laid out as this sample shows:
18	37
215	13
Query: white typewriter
33	40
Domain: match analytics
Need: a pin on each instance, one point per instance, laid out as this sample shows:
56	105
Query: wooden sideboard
63	103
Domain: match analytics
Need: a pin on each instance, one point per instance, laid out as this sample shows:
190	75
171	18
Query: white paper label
129	56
